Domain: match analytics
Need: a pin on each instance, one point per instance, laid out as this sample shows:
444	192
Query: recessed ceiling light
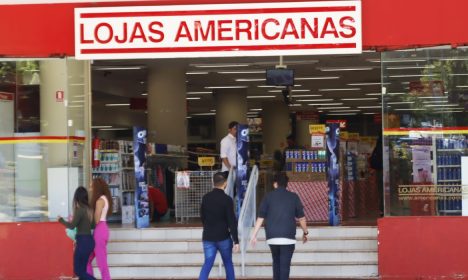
359	99
220	87
462	86
409	109
329	69
241	72
306	95
144	94
117	104
339	89
372	94
373	113
293	90
199	92
260	96
250	80
295	105
364	84
315	100
369	107
332	108
256	109
325	104
197	73
400	102
110	68
264	86
193	98
316	78
101	126
343	111
219	65
204	114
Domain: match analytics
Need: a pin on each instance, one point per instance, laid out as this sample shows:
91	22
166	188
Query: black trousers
282	255
84	248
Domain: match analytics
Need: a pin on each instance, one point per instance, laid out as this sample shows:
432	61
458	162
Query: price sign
206	161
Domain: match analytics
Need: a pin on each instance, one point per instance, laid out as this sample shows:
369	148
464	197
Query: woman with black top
82	220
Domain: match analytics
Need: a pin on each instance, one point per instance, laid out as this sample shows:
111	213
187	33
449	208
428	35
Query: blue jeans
210	249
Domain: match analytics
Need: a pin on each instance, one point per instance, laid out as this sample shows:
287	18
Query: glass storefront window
425	103
42	137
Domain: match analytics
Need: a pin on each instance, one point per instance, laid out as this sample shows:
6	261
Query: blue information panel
142	210
242	165
333	161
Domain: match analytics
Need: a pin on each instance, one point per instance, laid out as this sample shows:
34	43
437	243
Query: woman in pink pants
102	204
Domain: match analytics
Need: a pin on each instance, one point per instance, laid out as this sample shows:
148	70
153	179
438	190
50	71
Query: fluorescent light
260	96
373	94
332	108
409	67
307	95
77	101
101	126
462	86
199	92
264	86
256	109
364	84
293	90
442	105
204	114
409	109
316	78
339	89
193	98
315	100
400	102
325	104
453	59
447	112
219	65
220	87
110	68
328	69
396	93
342	111
117	128
144	94
117	104
342	114
250	80
458	74
435	101
212	110
396	60
197	73
431	97
295	105
411	76
189	117
359	99
370	113
30	157
369	107
242	72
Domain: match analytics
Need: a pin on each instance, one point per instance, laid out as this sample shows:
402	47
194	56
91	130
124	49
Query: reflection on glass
425	104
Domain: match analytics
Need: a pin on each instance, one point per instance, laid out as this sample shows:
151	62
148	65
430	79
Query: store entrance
186	105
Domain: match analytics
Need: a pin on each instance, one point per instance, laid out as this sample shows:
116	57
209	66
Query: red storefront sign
299	28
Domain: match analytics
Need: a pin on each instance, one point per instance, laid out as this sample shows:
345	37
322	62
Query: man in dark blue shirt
280	209
219	228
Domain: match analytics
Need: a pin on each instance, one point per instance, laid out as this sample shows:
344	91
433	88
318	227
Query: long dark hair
101	188
80	200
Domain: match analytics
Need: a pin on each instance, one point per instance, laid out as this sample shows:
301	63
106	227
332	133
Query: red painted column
35	251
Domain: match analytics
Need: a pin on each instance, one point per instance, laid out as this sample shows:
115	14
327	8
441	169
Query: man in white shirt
229	148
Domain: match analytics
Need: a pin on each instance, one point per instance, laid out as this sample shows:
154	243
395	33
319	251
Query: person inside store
101	203
219	228
376	163
229	149
157	203
279	210
82	221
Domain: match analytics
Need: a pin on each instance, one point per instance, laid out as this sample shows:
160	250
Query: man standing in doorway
280	209
219	228
229	149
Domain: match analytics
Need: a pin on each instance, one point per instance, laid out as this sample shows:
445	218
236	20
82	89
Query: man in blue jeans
280	209
219	228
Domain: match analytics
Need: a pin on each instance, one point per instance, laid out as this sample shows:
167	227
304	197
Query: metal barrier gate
188	197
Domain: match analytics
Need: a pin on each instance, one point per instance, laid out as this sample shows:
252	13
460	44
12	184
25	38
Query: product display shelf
306	165
127	194
447	153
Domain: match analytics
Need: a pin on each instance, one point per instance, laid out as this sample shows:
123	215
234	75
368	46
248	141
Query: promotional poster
242	163
142	210
333	161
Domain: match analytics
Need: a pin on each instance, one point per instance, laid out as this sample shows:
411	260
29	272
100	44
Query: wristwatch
305	233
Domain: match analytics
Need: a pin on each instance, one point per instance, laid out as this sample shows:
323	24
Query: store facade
46	49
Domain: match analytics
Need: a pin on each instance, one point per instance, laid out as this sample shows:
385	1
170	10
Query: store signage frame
221	30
